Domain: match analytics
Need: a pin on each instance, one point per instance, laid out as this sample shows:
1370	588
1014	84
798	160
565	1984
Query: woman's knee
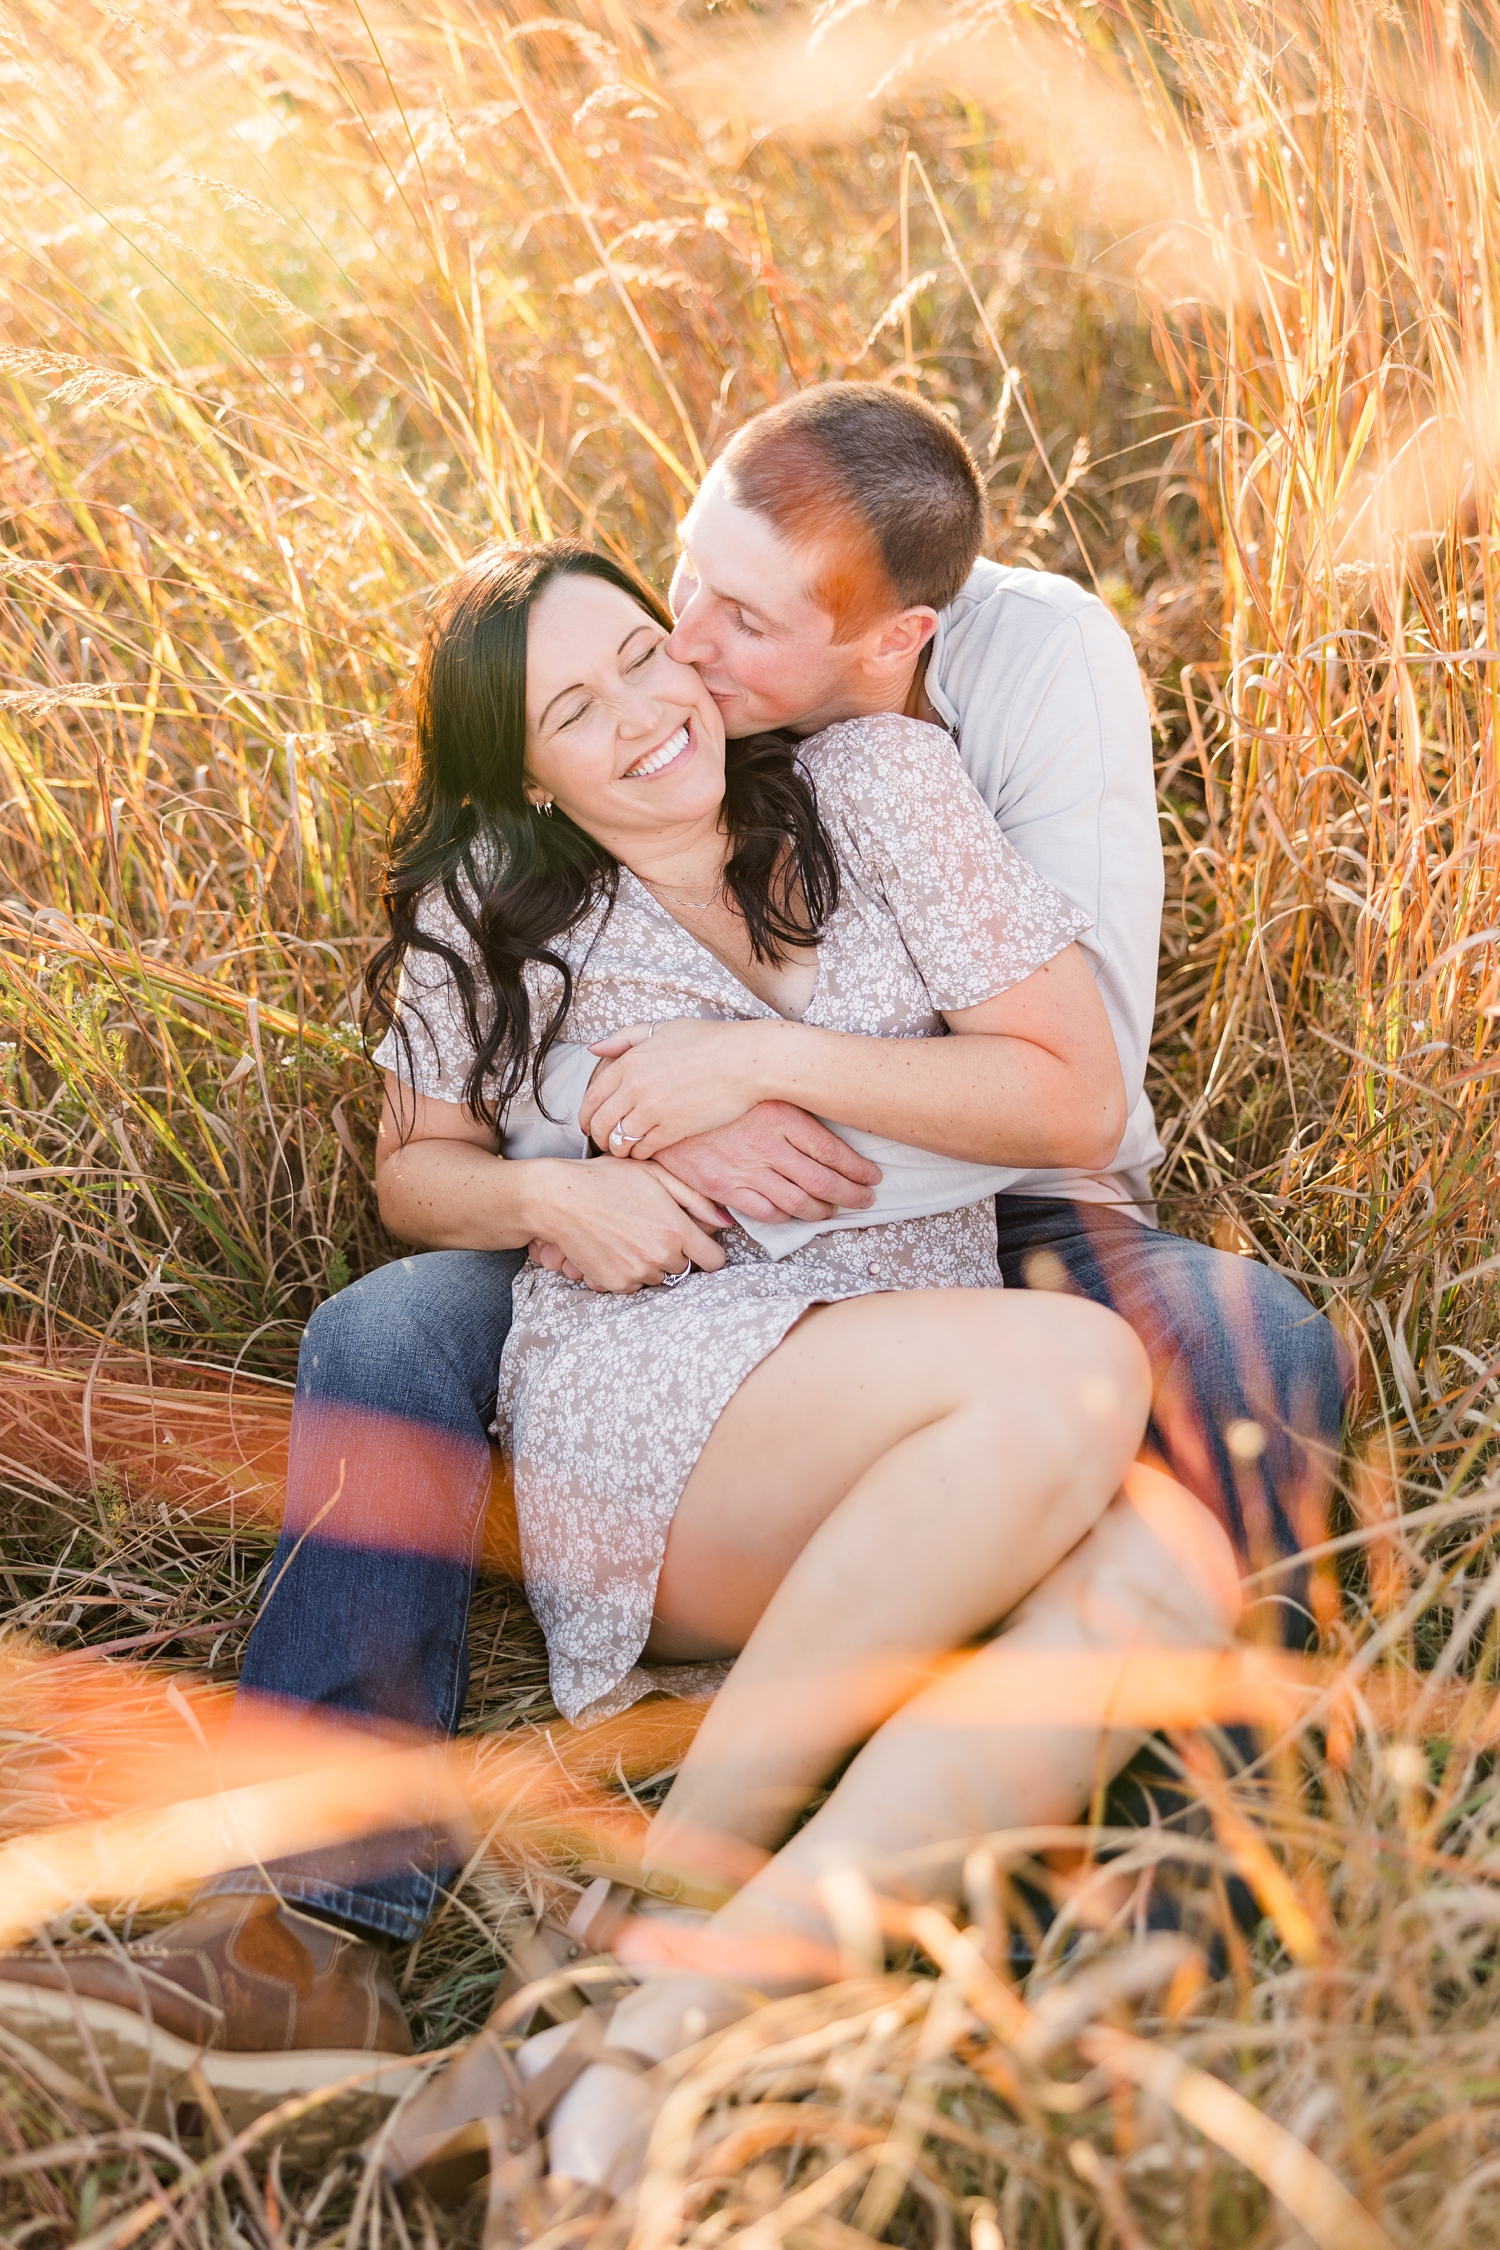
1072	1337
1105	1349
1077	1368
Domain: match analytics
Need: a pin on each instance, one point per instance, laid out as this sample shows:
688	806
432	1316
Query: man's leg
367	1598
1249	1384
277	1975
1249	1379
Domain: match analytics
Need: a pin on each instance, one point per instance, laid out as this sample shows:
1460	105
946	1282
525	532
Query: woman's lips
664	757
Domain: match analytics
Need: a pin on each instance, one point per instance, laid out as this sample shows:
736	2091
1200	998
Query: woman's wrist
543	1188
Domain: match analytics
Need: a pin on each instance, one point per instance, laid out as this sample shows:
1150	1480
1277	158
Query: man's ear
897	641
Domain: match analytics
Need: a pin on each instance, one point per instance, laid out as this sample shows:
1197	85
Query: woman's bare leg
999	1743
979	1752
891	1482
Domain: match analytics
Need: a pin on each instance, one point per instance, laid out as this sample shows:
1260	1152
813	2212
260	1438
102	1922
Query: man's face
747	622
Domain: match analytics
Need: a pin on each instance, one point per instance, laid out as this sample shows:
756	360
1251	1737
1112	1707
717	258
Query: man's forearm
988	1099
1029	1078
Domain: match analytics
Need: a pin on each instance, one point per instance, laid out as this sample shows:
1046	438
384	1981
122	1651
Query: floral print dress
605	1402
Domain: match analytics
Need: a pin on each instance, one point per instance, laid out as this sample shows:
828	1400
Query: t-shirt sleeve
912	827
1053	726
437	1052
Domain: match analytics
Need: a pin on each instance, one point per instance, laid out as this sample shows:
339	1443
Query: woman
838	1467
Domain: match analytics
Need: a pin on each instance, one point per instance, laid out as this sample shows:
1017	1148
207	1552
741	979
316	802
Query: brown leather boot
267	2002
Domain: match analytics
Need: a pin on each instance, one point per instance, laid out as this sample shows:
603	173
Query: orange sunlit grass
183	1798
299	305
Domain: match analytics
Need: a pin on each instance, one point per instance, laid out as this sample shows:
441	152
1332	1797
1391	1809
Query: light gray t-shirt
1039	687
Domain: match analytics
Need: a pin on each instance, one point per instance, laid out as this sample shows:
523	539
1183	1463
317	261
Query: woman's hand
621	1227
663	1083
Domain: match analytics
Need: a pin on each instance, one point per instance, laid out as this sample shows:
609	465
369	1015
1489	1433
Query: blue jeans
389	1471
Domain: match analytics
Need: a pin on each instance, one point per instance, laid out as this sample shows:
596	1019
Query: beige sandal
480	2115
445	2132
552	1943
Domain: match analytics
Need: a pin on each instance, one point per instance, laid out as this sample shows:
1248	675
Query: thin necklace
688	905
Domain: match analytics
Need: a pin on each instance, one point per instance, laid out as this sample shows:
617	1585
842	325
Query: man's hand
775	1163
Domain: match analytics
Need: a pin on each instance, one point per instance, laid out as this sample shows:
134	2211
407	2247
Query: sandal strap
522	2202
596	1918
446	2121
482	2099
550	1947
660	1883
554	2079
531	2101
553	1943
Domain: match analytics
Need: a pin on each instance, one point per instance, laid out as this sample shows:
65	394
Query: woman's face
625	741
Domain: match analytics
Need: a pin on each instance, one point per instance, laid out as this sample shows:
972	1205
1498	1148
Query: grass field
300	302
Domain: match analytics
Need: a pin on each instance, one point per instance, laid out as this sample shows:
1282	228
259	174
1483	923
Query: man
828	569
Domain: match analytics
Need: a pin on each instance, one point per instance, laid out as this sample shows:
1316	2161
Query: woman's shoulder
881	741
883	763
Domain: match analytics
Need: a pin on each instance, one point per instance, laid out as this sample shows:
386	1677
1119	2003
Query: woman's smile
607	705
662	759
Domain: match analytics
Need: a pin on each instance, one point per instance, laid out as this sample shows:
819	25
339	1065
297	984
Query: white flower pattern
605	1403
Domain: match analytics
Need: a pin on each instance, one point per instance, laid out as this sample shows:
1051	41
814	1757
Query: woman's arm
1032	1080
442	1185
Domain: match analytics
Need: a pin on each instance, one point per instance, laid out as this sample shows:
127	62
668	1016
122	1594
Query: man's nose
688	642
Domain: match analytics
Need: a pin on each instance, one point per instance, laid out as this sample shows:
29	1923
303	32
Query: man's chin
738	720
740	717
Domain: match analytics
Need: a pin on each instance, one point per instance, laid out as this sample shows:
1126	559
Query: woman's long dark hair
517	882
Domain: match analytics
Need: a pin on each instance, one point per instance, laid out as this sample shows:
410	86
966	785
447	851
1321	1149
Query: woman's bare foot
600	2128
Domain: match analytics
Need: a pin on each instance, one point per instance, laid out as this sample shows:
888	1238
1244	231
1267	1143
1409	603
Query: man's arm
1046	699
1032	1079
1041	686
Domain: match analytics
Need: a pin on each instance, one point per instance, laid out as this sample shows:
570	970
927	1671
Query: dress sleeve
430	1012
913	830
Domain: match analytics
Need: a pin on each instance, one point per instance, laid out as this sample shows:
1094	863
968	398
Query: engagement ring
619	1136
670	1280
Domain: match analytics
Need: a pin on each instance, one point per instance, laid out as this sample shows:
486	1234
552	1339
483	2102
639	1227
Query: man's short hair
876	484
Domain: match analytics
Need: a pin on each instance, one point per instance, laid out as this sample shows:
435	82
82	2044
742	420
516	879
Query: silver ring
619	1135
670	1280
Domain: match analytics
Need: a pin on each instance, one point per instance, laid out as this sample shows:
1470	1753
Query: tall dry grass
301	302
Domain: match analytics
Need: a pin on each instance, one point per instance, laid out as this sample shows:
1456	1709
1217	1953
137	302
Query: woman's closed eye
636	664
